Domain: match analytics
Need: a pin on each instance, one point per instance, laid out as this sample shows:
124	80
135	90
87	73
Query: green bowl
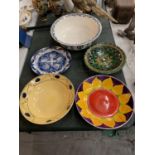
105	58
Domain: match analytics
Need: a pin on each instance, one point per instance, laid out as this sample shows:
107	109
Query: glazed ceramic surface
47	98
105	58
104	102
50	60
76	31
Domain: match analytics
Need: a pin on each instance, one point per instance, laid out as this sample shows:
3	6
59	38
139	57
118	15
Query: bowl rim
111	71
77	44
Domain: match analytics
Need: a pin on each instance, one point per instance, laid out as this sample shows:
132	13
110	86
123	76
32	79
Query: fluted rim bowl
76	31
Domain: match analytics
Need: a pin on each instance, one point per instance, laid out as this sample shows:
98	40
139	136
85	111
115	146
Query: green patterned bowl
105	58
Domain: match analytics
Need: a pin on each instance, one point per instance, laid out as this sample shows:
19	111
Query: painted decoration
105	58
50	60
47	99
104	102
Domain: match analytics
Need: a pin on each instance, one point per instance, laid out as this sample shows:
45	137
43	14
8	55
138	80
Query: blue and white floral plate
50	60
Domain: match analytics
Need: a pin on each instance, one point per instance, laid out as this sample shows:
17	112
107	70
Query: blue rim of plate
54	60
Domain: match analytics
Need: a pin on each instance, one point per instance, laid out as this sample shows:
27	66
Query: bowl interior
76	29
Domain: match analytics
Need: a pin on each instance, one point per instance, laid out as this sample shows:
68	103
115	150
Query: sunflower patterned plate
47	99
50	60
104	102
104	58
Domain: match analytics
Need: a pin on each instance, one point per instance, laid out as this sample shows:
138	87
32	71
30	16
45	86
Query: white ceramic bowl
76	31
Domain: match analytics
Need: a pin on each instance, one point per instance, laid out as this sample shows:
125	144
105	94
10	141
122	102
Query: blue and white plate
50	60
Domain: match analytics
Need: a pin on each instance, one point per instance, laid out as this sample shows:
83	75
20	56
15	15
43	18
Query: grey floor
77	143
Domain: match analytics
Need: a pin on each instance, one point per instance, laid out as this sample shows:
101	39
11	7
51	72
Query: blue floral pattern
50	60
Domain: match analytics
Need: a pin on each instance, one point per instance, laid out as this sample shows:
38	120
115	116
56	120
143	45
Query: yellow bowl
47	98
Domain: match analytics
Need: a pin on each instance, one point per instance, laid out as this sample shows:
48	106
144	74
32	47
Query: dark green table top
76	73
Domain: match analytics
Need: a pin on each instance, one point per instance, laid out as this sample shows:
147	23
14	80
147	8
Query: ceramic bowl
47	99
76	31
54	60
105	58
104	102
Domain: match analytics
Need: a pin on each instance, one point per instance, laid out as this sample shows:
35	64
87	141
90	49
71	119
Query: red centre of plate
103	103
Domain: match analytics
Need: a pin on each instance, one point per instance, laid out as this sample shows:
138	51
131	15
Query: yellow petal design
109	122
82	104
97	83
87	87
107	84
85	113
125	109
124	98
120	117
96	122
118	89
82	95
